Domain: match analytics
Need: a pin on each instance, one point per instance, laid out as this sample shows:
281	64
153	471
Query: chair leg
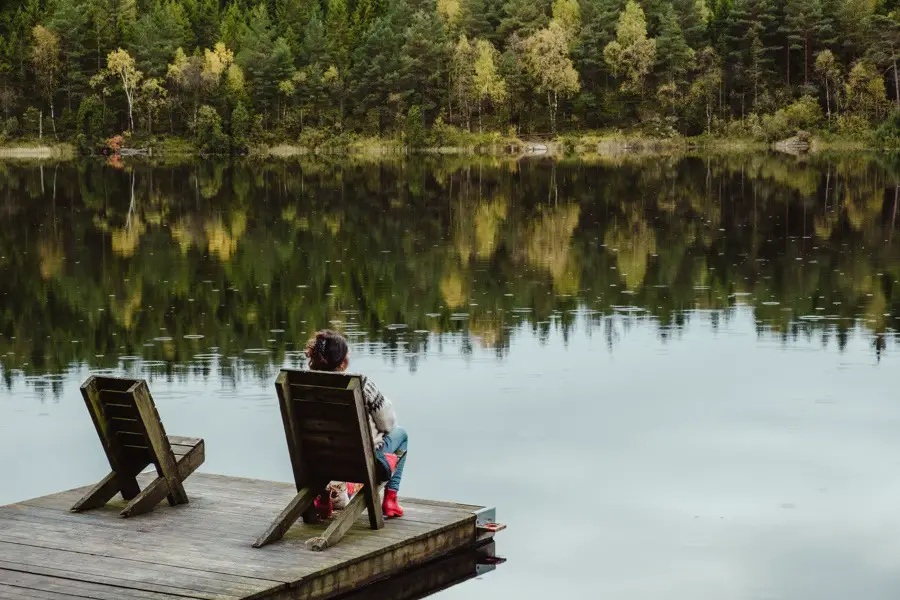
154	493
344	521
372	495
147	500
298	506
104	491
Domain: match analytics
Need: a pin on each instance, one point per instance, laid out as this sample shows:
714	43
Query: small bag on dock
133	437
328	438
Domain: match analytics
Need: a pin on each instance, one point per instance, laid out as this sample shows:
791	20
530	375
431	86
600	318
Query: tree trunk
130	113
480	109
53	120
896	85
551	103
827	100
805	61
788	63
41	125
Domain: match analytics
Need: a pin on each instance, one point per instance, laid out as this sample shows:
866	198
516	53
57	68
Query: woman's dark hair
326	351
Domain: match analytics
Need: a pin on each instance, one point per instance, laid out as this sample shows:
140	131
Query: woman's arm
379	407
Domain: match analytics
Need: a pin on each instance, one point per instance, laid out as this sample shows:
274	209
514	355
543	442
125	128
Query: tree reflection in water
189	264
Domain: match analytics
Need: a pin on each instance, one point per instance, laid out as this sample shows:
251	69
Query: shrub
90	123
804	113
11	127
854	127
32	121
209	134
416	134
313	137
241	125
888	133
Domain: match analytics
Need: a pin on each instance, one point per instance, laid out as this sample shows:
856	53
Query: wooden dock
203	549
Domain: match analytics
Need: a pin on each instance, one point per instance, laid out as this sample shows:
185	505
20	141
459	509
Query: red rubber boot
389	507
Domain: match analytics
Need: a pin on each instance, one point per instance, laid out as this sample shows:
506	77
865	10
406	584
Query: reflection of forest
99	262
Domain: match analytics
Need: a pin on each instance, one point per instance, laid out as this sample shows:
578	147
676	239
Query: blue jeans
394	442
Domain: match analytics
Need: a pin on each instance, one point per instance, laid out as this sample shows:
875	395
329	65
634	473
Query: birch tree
46	62
548	62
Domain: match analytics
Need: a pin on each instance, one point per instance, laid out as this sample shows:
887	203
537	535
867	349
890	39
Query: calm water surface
674	377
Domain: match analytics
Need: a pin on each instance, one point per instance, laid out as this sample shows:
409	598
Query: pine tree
203	16
693	19
673	55
233	26
804	25
265	61
376	70
157	34
70	21
884	48
424	62
524	17
481	19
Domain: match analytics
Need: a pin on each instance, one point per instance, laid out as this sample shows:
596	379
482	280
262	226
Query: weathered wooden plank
70	586
121	411
393	560
316	425
165	460
301	502
8	592
336	442
158	489
376	519
341	524
119	578
319	378
307	404
192	538
140	571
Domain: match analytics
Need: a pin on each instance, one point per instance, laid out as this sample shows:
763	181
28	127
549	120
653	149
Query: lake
674	376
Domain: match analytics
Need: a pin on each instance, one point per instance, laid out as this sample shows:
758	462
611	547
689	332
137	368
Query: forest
226	74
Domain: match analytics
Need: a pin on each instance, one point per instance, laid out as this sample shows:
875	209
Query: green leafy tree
865	91
805	26
481	19
884	48
674	56
121	66
523	17
424	62
548	62
488	83
829	72
632	54
264	60
157	34
462	80
47	64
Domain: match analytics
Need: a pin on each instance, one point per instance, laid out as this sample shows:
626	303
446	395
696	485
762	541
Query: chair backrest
326	425
127	422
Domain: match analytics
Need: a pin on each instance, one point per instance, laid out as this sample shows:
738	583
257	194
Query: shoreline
560	147
32	151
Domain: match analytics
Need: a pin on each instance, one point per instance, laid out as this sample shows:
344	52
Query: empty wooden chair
328	438
133	438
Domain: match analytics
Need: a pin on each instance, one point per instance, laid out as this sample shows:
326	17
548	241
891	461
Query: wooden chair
328	438
133	438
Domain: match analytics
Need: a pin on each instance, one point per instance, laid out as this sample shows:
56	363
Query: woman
328	351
